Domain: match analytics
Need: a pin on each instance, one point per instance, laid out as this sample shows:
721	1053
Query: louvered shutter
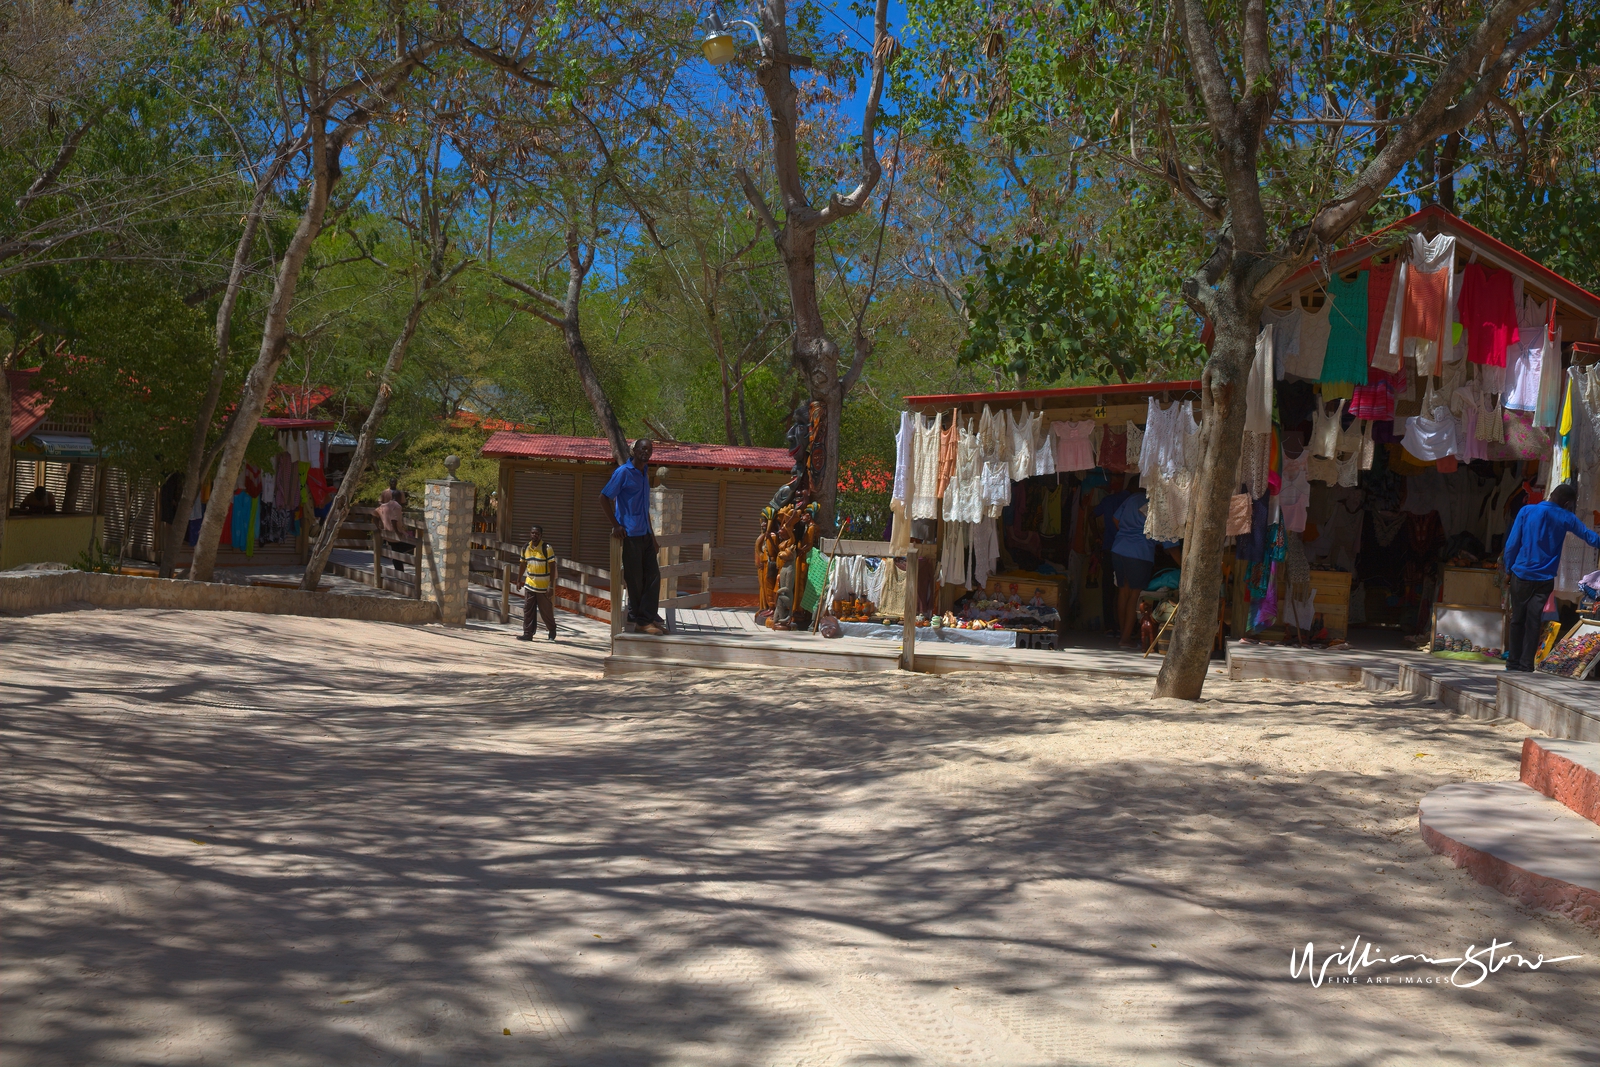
545	498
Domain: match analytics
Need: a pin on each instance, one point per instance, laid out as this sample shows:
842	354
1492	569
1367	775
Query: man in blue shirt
1133	560
627	498
1531	558
1106	510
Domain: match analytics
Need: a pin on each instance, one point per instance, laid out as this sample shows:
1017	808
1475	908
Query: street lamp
718	44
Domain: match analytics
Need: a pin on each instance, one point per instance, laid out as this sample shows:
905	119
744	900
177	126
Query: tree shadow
261	840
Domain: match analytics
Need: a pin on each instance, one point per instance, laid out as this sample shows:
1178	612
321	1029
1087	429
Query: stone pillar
666	517
447	513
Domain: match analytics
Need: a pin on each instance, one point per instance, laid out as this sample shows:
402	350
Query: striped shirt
539	562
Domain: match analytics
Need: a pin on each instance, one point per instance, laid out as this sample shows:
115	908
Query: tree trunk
363	454
7	463
1223	402
572	334
816	356
274	345
194	470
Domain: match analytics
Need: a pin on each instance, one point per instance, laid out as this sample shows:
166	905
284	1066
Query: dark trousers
1527	620
641	573
401	546
536	603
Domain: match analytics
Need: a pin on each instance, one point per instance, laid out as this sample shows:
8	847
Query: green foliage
424	461
1043	313
135	356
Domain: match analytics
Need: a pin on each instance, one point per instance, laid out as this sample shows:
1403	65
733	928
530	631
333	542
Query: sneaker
552	637
653	629
524	637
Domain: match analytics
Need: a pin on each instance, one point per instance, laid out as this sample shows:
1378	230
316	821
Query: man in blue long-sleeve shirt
1531	558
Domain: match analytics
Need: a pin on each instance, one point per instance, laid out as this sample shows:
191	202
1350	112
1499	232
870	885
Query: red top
507	444
1488	312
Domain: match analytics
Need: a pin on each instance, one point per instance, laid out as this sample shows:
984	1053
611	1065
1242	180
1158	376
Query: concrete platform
727	640
1567	772
1515	839
1560	707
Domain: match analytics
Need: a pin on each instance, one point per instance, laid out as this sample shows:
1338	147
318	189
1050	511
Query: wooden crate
1471	587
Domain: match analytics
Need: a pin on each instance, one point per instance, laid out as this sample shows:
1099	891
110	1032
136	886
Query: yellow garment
538	563
1050	522
1566	414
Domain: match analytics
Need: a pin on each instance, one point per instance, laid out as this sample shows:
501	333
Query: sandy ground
238	839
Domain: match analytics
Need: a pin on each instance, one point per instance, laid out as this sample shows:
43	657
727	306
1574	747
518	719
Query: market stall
1018	492
1416	390
1409	395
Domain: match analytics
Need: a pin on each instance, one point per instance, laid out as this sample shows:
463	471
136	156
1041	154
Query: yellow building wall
48	538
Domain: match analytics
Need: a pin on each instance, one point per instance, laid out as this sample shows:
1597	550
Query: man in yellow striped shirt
539	575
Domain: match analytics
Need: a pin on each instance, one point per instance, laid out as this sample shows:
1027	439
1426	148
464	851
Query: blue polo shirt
1130	540
629	489
1533	548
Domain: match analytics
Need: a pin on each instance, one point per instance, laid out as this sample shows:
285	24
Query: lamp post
718	44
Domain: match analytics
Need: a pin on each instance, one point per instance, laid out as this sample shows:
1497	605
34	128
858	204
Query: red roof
1076	392
28	405
463	420
297	400
507	444
1497	252
298	424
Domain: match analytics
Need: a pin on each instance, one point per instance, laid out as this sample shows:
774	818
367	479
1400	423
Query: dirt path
236	839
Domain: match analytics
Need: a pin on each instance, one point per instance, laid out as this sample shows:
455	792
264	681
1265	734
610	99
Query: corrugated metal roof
1076	392
507	444
28	405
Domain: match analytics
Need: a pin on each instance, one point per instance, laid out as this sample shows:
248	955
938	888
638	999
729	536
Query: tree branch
1436	115
884	48
757	201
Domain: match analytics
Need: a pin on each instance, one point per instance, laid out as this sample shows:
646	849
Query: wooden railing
361	532
883	549
497	566
671	571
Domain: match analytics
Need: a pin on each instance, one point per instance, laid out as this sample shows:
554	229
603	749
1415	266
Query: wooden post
908	639
616	587
505	592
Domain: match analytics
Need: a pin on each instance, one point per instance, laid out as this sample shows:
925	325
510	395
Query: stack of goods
981	611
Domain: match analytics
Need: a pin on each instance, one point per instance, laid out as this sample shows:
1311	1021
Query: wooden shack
556	480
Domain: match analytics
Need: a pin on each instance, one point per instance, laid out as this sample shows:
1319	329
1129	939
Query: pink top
1074	450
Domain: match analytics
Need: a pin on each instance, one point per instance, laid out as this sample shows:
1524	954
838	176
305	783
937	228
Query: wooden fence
671	570
361	532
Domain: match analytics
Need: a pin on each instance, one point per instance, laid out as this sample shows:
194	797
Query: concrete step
706	651
1515	839
1567	772
1559	707
1469	691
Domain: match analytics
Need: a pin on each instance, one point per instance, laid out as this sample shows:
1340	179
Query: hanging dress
1346	357
1324	442
963	497
924	487
1306	362
1294	497
1426	317
948	442
1044	446
1074	451
1020	429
